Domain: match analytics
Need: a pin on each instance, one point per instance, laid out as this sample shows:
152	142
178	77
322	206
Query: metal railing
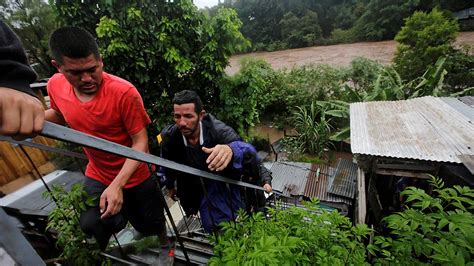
194	238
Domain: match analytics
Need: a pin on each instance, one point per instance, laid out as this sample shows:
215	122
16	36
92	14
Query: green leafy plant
363	72
424	38
293	236
67	162
313	129
33	21
240	95
64	222
434	229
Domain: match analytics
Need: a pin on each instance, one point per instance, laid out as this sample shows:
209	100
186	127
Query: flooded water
268	132
339	55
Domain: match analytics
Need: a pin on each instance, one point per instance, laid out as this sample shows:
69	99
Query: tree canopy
162	47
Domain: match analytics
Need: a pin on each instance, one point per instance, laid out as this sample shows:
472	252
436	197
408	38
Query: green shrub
64	220
424	38
303	85
343	36
241	96
275	46
460	67
313	130
364	72
295	236
67	162
434	230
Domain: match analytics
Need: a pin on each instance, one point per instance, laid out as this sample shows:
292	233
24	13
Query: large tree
424	38
33	21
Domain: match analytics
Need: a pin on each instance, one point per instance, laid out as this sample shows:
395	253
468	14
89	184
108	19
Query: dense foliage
64	222
424	38
330	90
295	236
313	129
266	22
33	21
240	95
432	229
435	229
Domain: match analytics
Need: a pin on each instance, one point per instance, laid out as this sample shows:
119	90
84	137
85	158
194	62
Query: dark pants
142	207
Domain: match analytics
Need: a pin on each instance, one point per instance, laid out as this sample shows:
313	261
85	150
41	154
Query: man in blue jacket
201	141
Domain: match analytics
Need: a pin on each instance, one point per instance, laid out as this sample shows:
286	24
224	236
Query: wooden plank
20	161
4	173
17	183
374	200
47	142
36	156
9	156
361	198
412	167
15	164
403	173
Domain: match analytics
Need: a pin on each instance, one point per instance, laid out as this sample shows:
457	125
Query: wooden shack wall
14	162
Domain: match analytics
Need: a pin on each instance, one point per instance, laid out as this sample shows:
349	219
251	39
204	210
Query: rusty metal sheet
345	179
318	183
290	178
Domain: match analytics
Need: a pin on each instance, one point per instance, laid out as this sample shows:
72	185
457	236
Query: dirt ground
335	55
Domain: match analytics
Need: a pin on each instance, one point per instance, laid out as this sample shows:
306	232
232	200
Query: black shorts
142	207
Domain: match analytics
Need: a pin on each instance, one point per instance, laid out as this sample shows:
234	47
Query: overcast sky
204	3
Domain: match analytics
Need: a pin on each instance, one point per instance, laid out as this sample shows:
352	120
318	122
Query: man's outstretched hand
219	157
21	115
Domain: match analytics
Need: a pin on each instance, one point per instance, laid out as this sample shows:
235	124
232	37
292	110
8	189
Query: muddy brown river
335	55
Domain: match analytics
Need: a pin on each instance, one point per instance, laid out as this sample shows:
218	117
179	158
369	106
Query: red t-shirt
115	114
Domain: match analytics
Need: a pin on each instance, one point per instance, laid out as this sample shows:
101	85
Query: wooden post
361	212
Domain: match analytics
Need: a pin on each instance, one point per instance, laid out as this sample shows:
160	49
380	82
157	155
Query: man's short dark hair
188	96
73	42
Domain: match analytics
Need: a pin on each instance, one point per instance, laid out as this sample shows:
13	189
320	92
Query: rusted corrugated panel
345	179
424	128
315	179
317	185
290	178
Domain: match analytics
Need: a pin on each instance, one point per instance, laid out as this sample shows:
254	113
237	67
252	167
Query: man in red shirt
86	98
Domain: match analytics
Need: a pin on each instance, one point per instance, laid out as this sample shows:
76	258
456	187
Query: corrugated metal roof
290	178
464	14
462	107
424	128
468	100
30	197
345	179
317	185
468	161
